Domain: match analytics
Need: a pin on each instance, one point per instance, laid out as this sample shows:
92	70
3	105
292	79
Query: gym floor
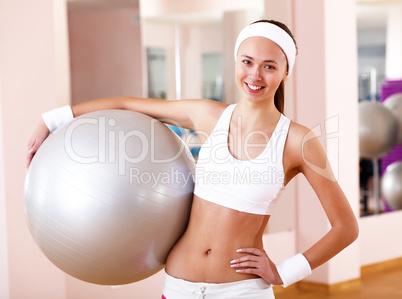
381	285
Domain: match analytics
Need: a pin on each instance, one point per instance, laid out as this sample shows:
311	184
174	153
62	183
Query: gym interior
64	52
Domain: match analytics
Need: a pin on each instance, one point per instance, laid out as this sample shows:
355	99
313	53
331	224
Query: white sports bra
251	186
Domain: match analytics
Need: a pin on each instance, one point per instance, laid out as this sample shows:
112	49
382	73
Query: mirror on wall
371	40
192	44
379	37
157	73
198	39
187	41
212	76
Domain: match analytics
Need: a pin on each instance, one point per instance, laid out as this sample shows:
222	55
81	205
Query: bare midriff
213	235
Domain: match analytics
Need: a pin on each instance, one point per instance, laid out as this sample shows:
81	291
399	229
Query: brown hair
279	99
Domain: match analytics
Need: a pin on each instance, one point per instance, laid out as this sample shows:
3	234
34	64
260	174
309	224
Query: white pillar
326	99
33	76
393	56
62	52
282	11
233	23
4	273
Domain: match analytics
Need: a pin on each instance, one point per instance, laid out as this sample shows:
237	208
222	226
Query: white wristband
58	117
293	269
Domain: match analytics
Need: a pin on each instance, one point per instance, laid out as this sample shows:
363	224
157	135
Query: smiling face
261	66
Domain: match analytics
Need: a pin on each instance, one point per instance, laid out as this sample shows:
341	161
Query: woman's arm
39	135
304	154
183	113
189	114
313	163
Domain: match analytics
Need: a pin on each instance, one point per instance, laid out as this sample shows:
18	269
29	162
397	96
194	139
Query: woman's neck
256	114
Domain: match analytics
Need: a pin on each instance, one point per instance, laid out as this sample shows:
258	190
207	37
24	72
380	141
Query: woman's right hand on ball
36	140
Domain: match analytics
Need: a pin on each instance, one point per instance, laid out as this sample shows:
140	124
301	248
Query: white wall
393	64
380	238
153	8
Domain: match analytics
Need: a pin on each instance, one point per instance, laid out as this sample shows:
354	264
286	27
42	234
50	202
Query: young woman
250	152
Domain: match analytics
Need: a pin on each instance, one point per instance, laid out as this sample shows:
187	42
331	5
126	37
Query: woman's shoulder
298	137
302	144
203	105
298	132
209	109
206	113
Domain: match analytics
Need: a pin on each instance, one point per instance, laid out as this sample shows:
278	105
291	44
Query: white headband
271	32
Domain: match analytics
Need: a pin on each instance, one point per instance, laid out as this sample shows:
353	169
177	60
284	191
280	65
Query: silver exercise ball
378	130
107	196
391	185
394	103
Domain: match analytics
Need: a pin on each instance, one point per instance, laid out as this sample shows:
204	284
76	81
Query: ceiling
373	13
102	3
370	13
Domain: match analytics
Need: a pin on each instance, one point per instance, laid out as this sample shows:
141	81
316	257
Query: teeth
253	87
